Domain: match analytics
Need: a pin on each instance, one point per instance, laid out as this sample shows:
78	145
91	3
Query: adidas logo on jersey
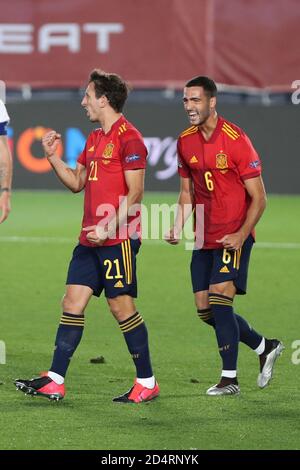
91	149
224	270
119	284
194	159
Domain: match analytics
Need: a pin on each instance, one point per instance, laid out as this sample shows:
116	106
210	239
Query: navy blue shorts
210	266
112	268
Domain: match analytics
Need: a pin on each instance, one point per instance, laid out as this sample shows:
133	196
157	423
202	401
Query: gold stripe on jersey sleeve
122	128
190	130
229	134
188	133
225	124
230	130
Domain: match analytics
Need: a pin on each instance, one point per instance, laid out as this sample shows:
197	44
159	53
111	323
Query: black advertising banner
273	131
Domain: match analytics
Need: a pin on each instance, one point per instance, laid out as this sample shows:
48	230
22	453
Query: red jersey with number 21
218	168
106	158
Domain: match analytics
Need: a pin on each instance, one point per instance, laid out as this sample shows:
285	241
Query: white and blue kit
4	119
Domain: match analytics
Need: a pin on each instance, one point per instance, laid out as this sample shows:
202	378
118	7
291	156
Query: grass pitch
35	248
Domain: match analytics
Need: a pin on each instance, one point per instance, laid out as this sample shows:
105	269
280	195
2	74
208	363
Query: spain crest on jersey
108	151
221	161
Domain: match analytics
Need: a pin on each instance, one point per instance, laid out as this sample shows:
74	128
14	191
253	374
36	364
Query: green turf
184	352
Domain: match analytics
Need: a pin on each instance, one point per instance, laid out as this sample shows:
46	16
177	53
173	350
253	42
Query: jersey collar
215	133
115	125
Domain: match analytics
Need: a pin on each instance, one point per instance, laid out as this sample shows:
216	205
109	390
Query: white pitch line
279	245
16	239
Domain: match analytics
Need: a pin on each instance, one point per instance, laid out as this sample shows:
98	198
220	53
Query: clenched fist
50	143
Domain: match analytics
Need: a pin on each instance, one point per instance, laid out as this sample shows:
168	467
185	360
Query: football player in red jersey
111	171
220	169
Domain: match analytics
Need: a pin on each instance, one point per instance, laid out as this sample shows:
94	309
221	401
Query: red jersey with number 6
106	158
218	168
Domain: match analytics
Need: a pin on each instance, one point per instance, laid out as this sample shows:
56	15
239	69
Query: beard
200	118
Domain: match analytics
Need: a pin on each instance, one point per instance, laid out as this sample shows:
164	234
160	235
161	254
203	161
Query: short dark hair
206	83
112	86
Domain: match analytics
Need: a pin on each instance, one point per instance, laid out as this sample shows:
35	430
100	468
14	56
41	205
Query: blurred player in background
220	169
5	165
111	171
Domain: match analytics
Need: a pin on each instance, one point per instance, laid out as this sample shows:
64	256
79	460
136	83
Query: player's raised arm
72	179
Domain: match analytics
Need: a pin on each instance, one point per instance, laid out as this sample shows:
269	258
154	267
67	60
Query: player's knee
118	312
71	305
225	288
122	307
202	305
115	310
201	300
217	291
